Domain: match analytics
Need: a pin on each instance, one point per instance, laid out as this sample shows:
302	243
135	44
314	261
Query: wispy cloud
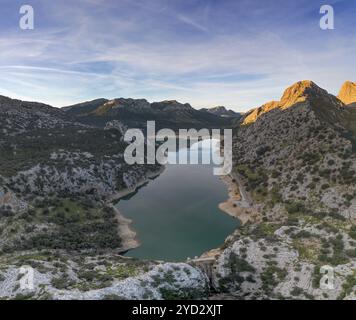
192	23
234	53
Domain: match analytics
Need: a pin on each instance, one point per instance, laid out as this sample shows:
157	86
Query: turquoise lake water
176	215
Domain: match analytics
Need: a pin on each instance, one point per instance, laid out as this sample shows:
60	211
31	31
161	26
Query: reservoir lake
176	215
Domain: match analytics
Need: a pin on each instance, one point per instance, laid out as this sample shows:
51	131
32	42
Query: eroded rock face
347	93
283	265
300	92
165	281
9	200
114	278
297	93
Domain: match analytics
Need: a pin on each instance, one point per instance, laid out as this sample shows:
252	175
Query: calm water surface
176	215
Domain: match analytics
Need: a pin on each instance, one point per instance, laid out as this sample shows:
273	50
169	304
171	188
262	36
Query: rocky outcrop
18	116
347	93
299	92
9	200
163	281
282	264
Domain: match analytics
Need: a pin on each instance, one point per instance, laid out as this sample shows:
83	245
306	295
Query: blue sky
237	53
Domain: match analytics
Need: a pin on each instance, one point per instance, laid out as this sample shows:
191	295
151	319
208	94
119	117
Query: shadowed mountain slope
223	112
134	113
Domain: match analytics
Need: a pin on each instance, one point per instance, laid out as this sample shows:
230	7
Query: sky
236	53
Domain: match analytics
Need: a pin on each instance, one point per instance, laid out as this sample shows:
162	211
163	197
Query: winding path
246	201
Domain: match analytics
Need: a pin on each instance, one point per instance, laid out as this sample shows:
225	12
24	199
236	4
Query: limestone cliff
347	93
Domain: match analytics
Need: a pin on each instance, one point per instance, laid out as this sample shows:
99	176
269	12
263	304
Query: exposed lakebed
176	215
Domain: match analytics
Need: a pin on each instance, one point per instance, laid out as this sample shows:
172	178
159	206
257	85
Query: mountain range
294	169
223	112
134	113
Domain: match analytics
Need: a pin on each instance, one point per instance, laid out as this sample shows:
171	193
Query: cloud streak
234	53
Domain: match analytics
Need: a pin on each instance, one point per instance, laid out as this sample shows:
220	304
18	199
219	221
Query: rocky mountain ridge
135	113
298	93
18	116
223	112
297	163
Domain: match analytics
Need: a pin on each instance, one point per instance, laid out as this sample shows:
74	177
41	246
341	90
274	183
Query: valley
292	187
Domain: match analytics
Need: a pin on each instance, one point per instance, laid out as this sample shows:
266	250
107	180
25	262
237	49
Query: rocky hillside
57	178
295	159
44	150
20	116
106	276
134	113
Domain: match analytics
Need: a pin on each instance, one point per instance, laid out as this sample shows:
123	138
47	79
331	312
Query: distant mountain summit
347	93
222	112
304	104
135	113
300	92
171	105
84	107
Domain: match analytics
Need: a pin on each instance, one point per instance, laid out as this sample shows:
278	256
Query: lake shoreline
129	235
230	205
126	232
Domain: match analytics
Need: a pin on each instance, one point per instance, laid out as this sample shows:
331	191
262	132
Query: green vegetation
297	291
265	231
271	276
256	179
352	232
123	271
348	285
237	264
113	297
24	151
62	282
73	224
295	207
275	197
350	122
187	294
